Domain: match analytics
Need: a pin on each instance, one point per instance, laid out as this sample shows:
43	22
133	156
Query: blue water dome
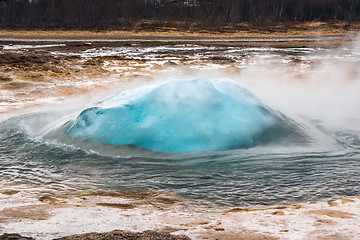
176	116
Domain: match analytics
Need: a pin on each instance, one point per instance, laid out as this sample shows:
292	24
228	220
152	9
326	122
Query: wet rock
222	60
10	192
122	235
219	229
170	63
117	205
14	236
279	213
48	199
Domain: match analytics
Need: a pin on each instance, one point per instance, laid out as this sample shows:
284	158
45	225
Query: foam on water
177	116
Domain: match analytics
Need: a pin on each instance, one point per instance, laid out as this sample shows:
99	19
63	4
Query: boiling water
317	88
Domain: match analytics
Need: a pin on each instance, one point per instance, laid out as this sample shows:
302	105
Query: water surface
324	168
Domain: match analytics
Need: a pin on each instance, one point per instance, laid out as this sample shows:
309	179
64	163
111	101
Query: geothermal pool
302	118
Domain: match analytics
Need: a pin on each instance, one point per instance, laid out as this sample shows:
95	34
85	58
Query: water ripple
232	178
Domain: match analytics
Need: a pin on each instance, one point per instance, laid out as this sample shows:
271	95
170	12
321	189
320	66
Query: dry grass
288	29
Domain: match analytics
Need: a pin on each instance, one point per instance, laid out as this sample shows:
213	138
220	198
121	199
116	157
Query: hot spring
182	116
274	125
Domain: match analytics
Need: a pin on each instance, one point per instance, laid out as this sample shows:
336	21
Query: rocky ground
113	235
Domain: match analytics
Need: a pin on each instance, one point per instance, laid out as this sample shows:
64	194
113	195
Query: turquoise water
181	116
269	174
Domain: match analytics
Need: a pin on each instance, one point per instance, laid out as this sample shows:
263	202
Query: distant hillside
207	13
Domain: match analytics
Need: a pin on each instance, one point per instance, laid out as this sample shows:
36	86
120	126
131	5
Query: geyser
177	116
